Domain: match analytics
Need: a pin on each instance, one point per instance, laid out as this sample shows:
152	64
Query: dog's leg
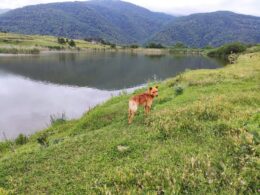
146	110
132	110
131	117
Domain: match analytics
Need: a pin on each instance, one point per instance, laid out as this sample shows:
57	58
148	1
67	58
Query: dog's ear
150	88
156	87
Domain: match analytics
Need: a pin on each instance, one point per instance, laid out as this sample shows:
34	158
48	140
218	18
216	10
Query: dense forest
116	21
125	23
214	29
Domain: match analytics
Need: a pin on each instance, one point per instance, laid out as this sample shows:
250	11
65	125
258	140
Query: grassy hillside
202	136
114	21
18	43
214	29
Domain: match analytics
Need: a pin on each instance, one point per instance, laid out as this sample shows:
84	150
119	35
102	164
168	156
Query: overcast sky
178	7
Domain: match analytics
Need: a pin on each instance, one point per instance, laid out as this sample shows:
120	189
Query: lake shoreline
74	79
145	51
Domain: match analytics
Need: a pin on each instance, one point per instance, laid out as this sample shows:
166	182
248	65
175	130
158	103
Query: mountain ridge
118	21
126	23
214	29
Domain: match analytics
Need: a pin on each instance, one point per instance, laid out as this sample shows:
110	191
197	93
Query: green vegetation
227	49
21	140
33	44
210	29
155	45
229	52
14	50
201	137
116	21
124	23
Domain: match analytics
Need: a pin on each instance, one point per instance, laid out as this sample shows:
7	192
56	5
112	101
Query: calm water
32	88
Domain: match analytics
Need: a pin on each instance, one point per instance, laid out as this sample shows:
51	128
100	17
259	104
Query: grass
18	43
204	140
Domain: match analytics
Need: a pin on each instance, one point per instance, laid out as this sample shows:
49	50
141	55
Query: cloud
184	7
179	7
21	3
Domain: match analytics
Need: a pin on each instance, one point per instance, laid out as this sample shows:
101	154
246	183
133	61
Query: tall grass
13	50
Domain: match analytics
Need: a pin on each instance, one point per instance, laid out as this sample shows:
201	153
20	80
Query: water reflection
108	71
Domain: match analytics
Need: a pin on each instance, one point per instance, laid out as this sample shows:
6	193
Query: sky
176	7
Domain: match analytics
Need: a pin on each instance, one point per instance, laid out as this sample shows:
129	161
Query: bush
225	50
43	140
179	45
56	47
113	46
61	40
72	43
134	46
178	90
21	139
55	119
155	45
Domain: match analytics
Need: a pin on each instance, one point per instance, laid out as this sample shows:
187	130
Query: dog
144	99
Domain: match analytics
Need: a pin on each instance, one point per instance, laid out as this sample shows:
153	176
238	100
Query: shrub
225	50
55	119
178	90
43	140
61	40
21	139
72	43
56	47
179	45
113	46
155	45
134	46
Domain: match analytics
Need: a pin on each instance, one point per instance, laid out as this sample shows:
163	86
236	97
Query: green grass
18	43
204	140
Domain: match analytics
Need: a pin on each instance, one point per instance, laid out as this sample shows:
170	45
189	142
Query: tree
113	46
61	40
72	43
179	45
155	45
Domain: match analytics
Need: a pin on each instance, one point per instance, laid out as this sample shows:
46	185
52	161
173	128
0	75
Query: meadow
201	137
33	44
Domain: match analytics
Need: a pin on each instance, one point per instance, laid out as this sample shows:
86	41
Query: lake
32	88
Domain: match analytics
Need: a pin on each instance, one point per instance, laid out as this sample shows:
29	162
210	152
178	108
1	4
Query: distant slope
2	11
114	21
214	29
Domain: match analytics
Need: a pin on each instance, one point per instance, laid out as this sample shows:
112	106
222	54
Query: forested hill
215	29
125	23
114	21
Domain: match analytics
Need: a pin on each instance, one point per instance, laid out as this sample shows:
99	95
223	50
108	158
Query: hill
112	20
202	140
214	29
33	44
2	11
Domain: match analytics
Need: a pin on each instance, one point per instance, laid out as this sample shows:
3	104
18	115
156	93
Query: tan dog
144	99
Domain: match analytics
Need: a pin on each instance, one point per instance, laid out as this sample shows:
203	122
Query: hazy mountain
214	29
115	21
2	11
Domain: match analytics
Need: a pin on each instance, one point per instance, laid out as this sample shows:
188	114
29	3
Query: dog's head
153	91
